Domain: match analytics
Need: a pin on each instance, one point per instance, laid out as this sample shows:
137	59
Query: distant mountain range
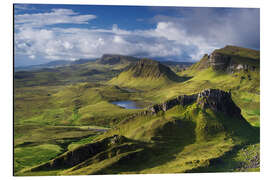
106	59
199	119
53	64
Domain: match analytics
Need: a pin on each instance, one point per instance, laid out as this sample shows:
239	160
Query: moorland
200	117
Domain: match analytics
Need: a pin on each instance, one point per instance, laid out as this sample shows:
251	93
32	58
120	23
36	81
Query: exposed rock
230	59
217	100
180	100
82	153
219	61
231	63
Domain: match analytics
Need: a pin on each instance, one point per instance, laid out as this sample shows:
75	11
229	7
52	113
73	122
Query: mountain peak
146	73
148	68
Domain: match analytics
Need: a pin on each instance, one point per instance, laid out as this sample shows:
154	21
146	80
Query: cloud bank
186	38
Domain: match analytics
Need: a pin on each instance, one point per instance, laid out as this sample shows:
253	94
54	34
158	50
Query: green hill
146	73
230	59
179	135
64	112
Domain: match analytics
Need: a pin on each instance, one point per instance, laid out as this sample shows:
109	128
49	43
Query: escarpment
82	153
215	99
230	59
134	140
228	63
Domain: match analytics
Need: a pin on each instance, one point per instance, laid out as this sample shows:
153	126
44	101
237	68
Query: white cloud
75	43
181	39
56	16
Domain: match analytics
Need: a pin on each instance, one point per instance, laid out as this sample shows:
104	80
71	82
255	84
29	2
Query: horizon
46	33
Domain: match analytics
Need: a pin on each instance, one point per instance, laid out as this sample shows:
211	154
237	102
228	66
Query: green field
61	111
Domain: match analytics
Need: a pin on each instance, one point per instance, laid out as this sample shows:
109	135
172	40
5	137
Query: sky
44	33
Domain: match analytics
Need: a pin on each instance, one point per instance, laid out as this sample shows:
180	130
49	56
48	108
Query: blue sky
45	33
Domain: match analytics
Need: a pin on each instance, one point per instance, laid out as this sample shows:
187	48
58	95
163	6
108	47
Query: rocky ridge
219	61
230	59
215	99
82	153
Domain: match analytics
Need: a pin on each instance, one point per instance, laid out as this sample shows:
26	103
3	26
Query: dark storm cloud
220	26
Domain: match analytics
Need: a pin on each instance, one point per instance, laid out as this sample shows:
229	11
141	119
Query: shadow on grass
228	162
182	78
169	141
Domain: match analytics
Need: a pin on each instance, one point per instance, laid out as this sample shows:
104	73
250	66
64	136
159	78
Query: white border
6	84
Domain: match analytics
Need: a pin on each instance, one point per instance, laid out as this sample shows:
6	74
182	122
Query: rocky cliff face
230	59
219	61
78	155
222	62
217	100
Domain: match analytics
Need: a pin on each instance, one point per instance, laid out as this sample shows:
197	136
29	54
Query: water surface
127	104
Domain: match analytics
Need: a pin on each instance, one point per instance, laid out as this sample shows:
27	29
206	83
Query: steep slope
202	64
179	135
230	59
230	68
146	73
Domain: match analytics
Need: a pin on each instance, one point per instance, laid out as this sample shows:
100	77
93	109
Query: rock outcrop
180	100
222	62
217	100
219	61
230	59
80	154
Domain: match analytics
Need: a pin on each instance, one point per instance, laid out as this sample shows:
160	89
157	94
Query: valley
126	115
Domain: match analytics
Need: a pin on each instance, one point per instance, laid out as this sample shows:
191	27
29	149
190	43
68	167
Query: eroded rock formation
229	63
215	99
74	157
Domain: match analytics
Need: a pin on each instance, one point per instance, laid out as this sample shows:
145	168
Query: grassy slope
182	139
42	109
88	72
146	74
245	90
240	52
68	105
88	104
126	79
60	115
34	144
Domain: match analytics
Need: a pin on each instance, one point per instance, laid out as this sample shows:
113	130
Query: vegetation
146	74
62	110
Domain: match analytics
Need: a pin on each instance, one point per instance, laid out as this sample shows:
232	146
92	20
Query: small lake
127	104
